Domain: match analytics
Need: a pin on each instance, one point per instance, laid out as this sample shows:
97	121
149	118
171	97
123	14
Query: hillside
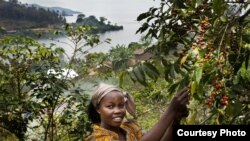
59	10
30	19
15	16
100	26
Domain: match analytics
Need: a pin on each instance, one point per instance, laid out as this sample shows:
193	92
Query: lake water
121	12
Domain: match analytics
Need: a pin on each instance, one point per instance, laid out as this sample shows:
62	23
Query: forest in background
15	16
37	105
37	21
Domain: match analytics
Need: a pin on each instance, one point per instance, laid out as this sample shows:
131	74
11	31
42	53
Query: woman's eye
110	106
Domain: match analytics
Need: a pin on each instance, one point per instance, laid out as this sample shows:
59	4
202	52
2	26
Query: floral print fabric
133	133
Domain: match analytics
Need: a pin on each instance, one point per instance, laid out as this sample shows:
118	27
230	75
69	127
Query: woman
108	108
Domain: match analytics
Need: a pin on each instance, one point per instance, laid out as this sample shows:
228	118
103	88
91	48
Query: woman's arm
168	135
159	129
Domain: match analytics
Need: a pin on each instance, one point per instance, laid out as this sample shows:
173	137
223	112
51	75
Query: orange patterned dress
133	133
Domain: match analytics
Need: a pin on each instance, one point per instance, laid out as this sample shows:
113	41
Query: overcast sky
111	9
78	4
60	3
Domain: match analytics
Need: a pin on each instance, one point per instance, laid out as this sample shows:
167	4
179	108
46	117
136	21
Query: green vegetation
209	51
35	21
206	51
34	101
99	25
14	16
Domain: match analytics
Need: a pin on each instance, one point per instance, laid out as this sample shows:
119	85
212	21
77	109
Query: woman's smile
118	119
112	110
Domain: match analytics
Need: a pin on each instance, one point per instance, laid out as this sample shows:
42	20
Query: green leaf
108	40
217	6
66	27
59	50
185	81
152	10
236	106
121	78
247	59
143	28
172	72
149	19
139	74
132	76
198	74
143	16
173	88
179	3
183	59
192	118
193	87
151	71
223	18
56	32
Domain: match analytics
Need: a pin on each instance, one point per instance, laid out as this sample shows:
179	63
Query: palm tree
120	56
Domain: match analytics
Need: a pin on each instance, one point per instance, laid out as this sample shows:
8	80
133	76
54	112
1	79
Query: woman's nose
118	110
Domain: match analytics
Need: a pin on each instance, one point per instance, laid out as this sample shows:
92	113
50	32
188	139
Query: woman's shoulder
100	134
133	129
130	126
93	137
133	126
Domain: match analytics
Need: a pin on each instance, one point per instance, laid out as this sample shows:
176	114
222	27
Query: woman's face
112	110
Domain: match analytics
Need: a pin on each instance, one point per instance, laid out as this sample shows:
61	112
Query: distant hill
101	26
16	16
60	10
30	19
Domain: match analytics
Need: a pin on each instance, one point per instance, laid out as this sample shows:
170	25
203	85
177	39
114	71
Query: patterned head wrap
104	89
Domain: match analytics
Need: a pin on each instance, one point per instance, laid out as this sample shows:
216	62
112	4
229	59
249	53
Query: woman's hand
161	128
182	114
178	105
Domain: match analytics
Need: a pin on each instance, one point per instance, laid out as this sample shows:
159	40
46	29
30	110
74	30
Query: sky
71	4
115	10
67	3
78	4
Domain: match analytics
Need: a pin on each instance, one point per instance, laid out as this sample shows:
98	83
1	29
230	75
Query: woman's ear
98	110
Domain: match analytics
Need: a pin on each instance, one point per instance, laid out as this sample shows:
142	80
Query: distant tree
64	13
13	1
92	17
26	17
80	18
103	19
